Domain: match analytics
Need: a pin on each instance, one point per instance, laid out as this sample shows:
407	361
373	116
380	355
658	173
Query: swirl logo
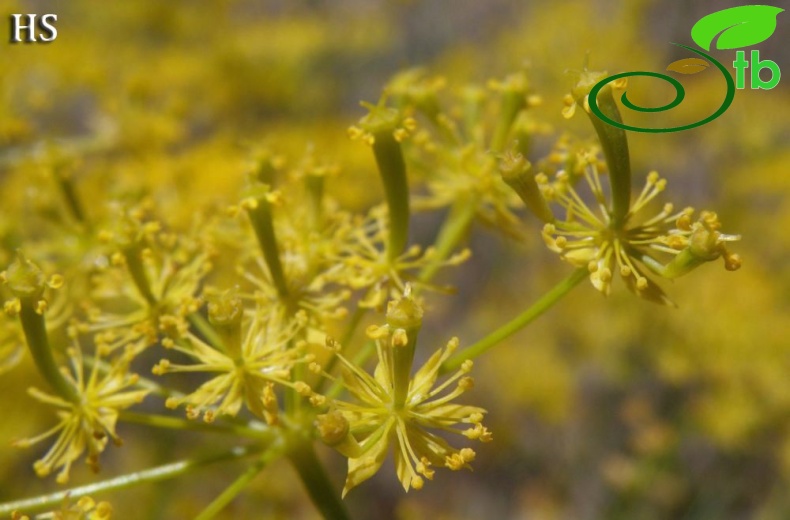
735	27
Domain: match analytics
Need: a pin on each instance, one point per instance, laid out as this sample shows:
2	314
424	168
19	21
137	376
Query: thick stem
392	169
519	322
238	485
167	471
38	342
304	459
402	360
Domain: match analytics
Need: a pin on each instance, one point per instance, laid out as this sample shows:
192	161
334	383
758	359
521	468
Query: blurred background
605	408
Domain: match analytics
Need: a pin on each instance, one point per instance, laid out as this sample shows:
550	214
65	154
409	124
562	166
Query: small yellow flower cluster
307	238
367	266
256	352
85	425
148	272
88	403
392	407
456	154
587	237
380	122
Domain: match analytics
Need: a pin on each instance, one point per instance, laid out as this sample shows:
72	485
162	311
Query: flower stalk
133	258
384	128
259	208
238	485
404	318
514	99
614	144
27	283
311	471
516	171
519	322
454	229
156	474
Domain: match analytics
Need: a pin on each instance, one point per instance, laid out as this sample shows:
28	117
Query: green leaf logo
739	26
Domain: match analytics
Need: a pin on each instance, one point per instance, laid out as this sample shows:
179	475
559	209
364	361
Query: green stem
69	193
293	400
517	173
472	99
38	342
367	351
136	268
261	218
177	423
614	143
453	231
356	319
392	168
311	471
520	321
164	472
511	104
142	382
238	485
315	192
206	330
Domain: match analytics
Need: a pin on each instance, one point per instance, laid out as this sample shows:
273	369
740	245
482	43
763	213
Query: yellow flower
589	237
288	255
150	275
87	424
366	264
405	412
257	352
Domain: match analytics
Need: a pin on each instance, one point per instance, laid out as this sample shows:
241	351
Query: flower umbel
590	237
151	274
257	354
363	429
87	424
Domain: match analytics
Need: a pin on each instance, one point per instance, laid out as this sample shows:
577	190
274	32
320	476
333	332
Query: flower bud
404	313
24	278
517	173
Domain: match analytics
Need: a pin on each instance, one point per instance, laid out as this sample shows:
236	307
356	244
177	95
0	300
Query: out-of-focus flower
150	274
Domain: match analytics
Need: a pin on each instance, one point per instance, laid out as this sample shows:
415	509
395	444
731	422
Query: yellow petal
364	467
